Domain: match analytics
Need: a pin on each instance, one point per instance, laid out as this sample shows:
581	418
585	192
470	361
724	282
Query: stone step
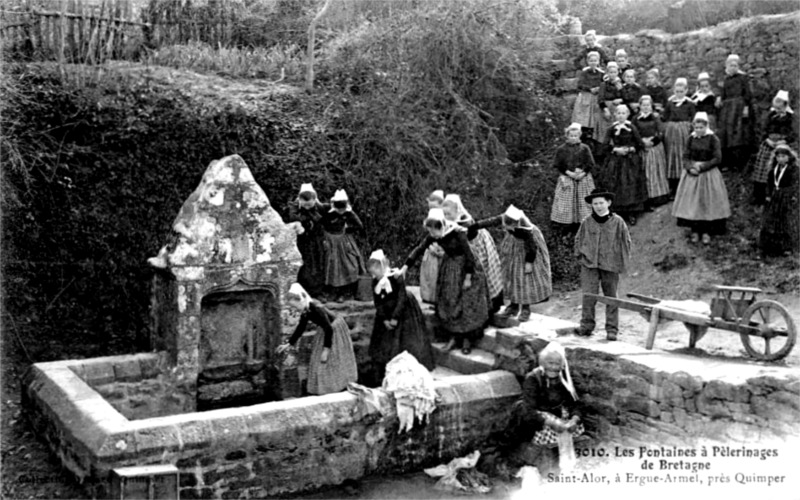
539	326
478	361
489	341
440	372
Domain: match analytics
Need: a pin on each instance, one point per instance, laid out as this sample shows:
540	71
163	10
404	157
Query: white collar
384	284
708	132
781	113
779	175
678	100
699	96
618	126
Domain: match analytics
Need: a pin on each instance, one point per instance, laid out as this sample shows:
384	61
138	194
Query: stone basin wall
643	397
259	450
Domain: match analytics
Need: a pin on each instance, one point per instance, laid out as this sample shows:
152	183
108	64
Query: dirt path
655	239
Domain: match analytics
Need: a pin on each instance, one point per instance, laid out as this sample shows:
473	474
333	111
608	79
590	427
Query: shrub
434	98
449	97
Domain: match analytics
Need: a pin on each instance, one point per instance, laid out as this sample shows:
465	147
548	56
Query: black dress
580	60
659	95
624	174
780	228
409	335
734	129
460	312
631	94
311	245
343	260
541	396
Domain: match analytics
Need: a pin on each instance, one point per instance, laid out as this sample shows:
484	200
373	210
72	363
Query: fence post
62	33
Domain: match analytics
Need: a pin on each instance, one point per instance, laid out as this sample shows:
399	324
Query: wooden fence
93	31
81	31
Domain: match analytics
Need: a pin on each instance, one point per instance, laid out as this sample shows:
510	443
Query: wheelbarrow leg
696	332
651	332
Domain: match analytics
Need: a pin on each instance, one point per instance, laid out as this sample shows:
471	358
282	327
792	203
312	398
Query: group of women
658	148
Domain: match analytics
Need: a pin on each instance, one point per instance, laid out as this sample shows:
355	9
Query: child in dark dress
429	268
483	247
461	300
677	118
587	110
608	98
734	124
704	99
624	172
779	128
399	324
344	262
631	91
308	211
591	46
333	363
780	227
651	130
621	58
653	88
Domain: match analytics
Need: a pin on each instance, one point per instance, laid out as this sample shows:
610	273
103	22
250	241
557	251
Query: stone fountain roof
228	220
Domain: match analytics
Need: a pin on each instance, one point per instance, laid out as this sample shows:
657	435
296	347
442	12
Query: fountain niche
216	296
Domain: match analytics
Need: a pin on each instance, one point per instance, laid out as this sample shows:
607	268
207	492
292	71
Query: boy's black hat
598	193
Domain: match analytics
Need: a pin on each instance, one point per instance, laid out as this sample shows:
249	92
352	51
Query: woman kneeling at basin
333	363
547	410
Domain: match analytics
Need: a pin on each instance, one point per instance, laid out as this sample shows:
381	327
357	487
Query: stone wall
768	45
631	395
644	397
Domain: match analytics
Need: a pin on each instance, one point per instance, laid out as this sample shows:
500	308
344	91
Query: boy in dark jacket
603	246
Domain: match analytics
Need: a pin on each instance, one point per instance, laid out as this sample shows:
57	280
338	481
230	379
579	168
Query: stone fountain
217	315
216	294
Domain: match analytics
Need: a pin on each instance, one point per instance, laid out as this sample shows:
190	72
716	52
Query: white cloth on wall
412	387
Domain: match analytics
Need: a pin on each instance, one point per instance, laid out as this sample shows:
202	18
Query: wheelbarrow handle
644	298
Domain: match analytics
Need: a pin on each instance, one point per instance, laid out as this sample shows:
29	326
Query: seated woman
399	324
548	407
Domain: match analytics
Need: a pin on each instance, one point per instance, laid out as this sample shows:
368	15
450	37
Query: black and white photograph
399	249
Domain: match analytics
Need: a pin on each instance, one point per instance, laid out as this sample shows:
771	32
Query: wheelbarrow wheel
778	333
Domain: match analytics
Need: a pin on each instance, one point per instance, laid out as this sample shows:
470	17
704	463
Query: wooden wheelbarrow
764	326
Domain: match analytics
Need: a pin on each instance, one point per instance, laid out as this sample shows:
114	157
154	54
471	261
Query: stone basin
630	396
259	450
